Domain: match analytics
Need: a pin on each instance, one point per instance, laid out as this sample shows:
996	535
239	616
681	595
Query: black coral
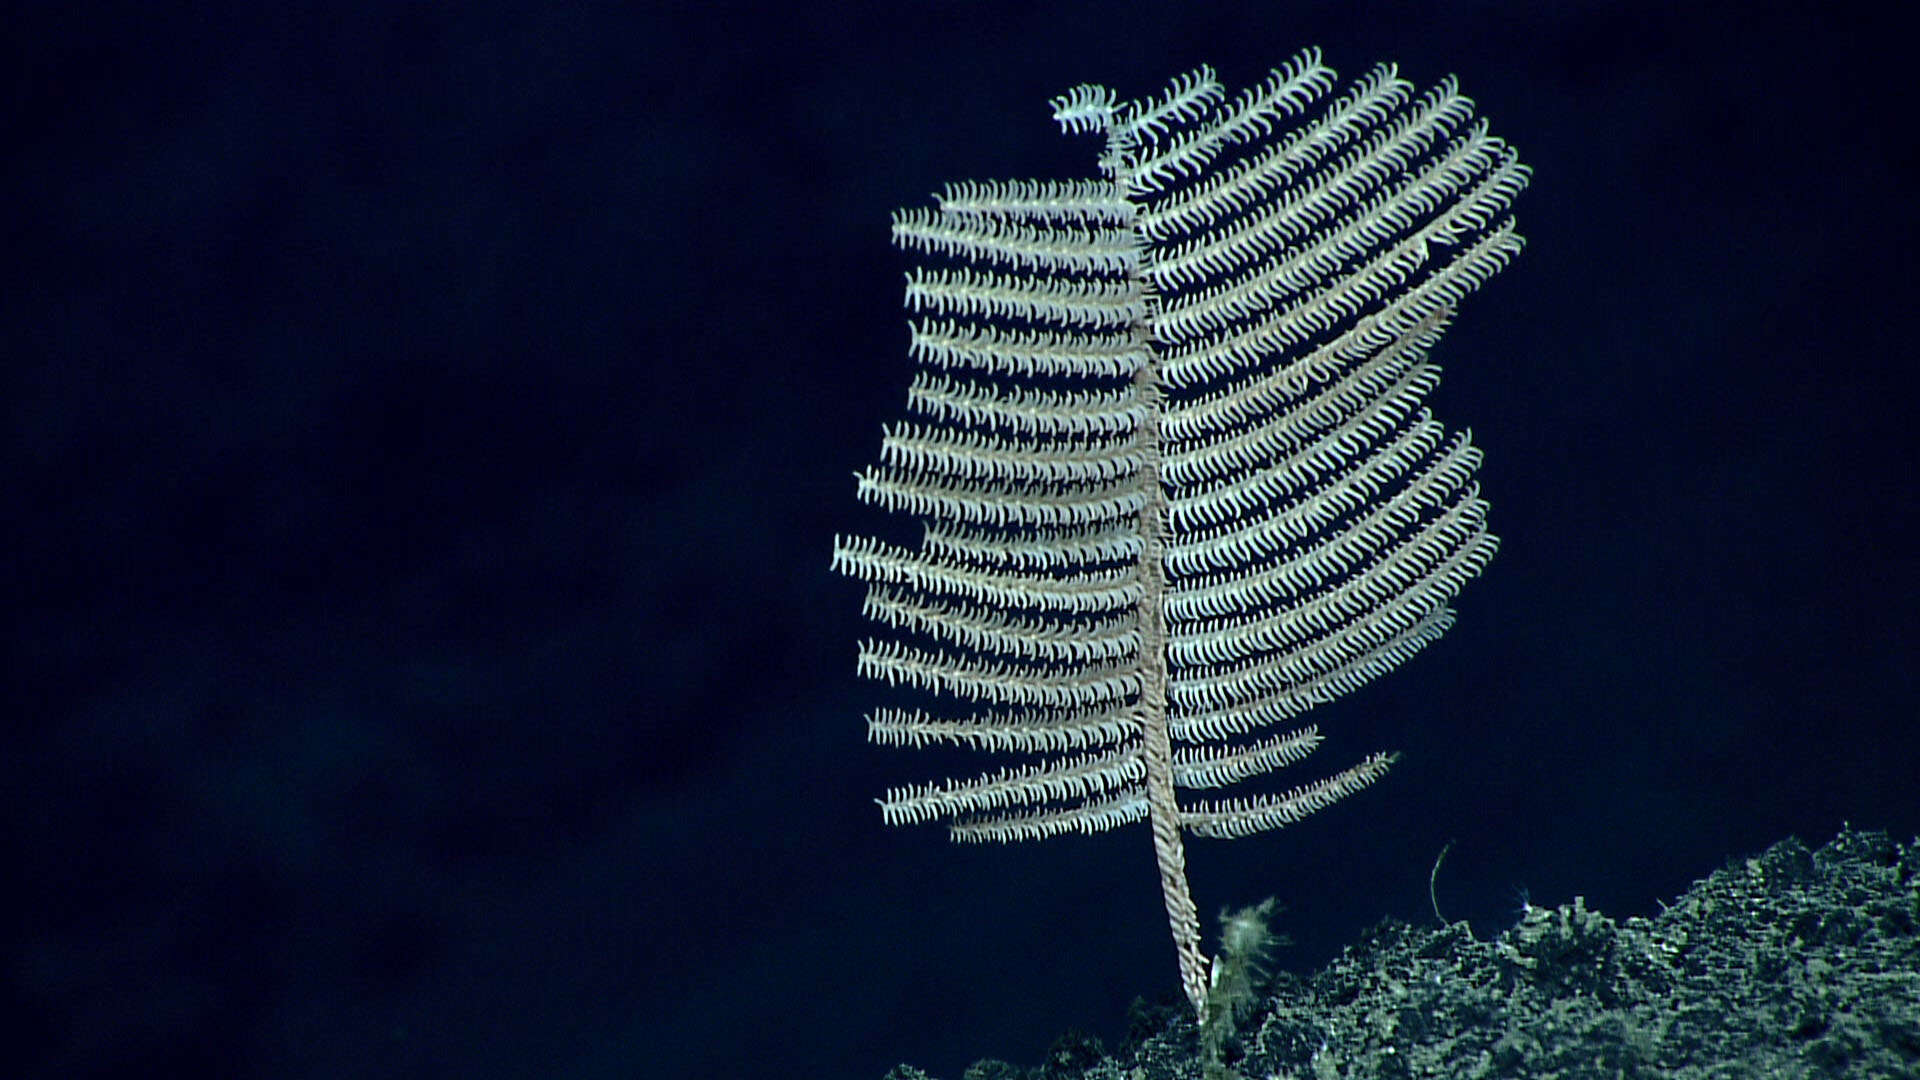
1177	483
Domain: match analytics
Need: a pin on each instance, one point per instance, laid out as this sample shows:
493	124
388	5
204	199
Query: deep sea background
426	426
